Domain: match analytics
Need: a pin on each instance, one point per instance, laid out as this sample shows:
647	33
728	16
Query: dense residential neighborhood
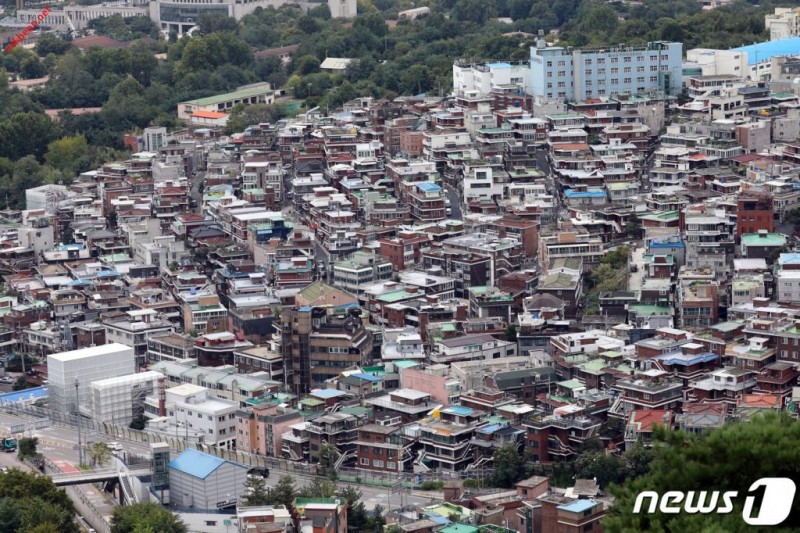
487	307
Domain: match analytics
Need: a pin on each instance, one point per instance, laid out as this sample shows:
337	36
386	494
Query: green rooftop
311	402
459	528
667	216
396	296
650	310
236	95
594	366
763	239
406	364
571	384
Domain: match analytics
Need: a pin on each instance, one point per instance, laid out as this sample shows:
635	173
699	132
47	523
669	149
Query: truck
9	445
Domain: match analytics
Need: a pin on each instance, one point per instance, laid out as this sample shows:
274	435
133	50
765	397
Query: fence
98	520
285	466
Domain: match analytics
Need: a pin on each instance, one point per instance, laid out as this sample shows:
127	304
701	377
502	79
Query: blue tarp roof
367	377
680	359
27	394
759	52
458	410
578	506
569	193
328	393
305	309
500	64
196	464
490	428
429	187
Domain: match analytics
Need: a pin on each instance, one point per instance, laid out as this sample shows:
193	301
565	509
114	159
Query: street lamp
78	415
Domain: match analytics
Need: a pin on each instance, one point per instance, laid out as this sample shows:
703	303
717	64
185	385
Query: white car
115	446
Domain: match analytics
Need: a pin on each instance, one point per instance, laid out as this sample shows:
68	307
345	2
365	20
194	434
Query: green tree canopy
727	459
149	517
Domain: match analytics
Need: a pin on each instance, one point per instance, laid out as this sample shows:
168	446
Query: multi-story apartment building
361	269
320	343
578	74
382	446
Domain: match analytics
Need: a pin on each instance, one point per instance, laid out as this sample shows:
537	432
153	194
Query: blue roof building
198	480
759	52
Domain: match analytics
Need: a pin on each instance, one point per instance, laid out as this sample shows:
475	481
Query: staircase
128	493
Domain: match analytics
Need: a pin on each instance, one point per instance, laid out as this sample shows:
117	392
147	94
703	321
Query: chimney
762	234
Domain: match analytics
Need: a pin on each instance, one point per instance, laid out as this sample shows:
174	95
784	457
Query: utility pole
78	415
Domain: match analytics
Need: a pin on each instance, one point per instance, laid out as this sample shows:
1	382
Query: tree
146	517
10	519
793	217
633	227
728	459
357	518
26	447
39	504
511	333
318	488
256	491
111	219
509	466
100	452
138	423
21	383
605	468
69	154
377	519
284	492
328	454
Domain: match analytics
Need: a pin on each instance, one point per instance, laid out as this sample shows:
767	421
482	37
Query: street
635	278
58	443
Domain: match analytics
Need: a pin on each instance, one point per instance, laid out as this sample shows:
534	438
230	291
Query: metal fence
285	466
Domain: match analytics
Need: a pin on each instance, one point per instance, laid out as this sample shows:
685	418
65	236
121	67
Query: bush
432	485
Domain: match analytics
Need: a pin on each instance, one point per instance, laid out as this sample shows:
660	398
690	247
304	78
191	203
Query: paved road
635	278
58	443
455	202
83	510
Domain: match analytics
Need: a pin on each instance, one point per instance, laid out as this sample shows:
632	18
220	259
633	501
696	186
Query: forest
140	85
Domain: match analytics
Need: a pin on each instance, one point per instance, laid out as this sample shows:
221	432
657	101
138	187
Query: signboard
226	503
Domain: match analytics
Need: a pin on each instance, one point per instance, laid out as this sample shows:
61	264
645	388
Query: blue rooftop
305	309
27	394
75	246
429	187
578	506
490	428
763	51
790	259
569	193
686	359
660	244
459	410
367	377
500	64
196	464
327	393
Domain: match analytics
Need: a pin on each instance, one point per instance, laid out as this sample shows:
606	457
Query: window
640	69
614	70
211	522
391	465
549	63
365	461
601	71
377	463
627	70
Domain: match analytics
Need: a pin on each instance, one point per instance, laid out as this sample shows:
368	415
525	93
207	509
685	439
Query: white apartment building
784	23
189	408
84	366
484	77
121	399
362	269
479	183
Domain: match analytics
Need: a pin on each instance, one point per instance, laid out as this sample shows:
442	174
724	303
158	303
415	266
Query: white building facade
86	366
